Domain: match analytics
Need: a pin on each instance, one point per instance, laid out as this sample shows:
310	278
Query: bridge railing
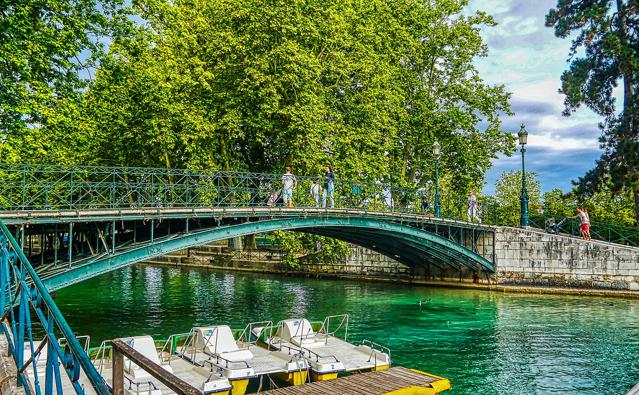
27	307
599	230
57	187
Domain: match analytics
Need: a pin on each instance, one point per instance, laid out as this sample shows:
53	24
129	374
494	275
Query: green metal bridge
74	223
63	224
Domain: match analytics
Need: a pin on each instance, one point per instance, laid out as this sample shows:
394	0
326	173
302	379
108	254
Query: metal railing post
113	190
24	187
71	190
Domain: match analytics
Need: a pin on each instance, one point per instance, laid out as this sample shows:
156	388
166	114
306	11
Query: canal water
485	342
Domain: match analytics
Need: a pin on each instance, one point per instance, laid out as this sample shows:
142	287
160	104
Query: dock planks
370	383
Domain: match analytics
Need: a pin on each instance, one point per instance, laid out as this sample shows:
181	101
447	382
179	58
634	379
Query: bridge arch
407	244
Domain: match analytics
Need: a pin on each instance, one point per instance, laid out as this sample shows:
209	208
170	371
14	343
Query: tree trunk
625	66
636	195
250	243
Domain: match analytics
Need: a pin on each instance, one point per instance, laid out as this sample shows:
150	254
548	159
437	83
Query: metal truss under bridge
77	222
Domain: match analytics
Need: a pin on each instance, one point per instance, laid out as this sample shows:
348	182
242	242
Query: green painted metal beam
394	249
435	250
415	252
164	247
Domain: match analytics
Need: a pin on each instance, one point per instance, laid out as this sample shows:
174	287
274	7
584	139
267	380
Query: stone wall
522	257
533	257
362	262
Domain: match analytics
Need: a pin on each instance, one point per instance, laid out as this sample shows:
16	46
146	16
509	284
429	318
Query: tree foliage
607	32
365	86
47	52
603	206
300	248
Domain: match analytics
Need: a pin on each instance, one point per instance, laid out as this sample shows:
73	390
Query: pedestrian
425	204
315	192
473	208
584	220
587	224
329	187
289	182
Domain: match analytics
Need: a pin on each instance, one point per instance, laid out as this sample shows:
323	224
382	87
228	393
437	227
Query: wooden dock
396	381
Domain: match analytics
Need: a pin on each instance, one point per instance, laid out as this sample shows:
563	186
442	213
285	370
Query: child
315	192
289	182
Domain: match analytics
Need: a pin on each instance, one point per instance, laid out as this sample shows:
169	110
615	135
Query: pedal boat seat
219	341
299	332
145	346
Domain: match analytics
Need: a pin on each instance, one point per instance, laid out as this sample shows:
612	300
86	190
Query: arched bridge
62	224
78	222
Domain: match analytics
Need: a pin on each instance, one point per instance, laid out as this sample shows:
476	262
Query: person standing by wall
329	187
586	226
289	182
315	192
584	220
473	208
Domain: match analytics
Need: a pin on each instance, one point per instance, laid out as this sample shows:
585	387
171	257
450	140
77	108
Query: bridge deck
64	216
371	383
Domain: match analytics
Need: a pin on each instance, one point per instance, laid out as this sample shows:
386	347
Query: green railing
55	187
28	307
598	230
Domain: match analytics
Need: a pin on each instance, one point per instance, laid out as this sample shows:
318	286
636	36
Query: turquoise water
484	342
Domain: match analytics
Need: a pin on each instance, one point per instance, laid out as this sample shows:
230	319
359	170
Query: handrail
226	361
317	356
121	350
376	348
325	328
61	187
16	273
247	333
171	343
599	230
100	355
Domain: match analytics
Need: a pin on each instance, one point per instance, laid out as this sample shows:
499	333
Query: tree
365	86
508	191
607	33
253	85
603	206
48	50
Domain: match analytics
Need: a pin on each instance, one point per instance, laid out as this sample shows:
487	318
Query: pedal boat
138	381
328	354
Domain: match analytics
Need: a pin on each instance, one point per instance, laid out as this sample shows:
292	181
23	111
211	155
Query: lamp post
436	151
523	140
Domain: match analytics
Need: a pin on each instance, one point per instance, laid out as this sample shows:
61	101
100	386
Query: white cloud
560	144
528	59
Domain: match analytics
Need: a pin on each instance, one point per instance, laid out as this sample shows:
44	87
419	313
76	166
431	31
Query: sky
528	59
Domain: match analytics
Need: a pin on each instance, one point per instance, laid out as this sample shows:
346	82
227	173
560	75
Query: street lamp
436	151
523	140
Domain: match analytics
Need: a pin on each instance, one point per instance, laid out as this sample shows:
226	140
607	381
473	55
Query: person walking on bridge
289	182
473	208
315	192
329	187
